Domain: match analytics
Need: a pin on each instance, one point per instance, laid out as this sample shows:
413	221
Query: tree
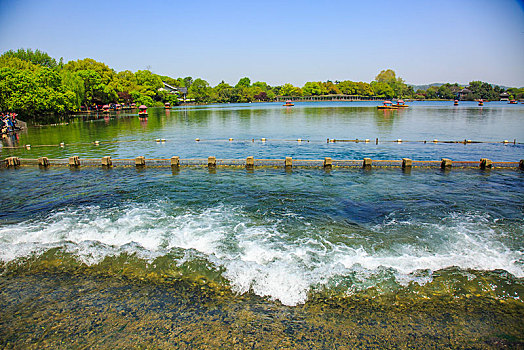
262	96
330	88
386	76
74	83
482	90
199	90
243	83
312	88
188	81
30	93
36	57
290	90
382	89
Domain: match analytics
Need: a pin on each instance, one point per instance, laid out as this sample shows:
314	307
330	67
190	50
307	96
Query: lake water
123	135
266	258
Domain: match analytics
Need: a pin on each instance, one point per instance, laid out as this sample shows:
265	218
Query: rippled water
302	238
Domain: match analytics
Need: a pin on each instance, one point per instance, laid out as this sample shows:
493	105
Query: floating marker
230	139
197	140
263	140
97	143
399	140
157	140
28	147
62	144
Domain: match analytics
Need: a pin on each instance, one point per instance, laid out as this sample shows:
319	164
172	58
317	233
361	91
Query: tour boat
133	105
167	105
456	103
401	104
105	108
288	103
118	107
481	103
142	111
387	105
513	102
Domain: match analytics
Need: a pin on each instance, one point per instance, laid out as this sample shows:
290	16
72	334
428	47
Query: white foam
259	255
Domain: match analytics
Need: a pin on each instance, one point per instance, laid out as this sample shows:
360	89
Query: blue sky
424	41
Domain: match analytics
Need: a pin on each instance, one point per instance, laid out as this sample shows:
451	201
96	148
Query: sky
423	41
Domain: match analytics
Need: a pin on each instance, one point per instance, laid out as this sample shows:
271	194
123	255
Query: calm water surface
123	135
266	258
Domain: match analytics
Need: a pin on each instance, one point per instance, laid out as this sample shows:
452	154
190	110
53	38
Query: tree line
33	83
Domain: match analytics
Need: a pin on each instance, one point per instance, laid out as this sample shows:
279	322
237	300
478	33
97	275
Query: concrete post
175	161
407	163
288	163
446	163
12	161
366	163
43	161
328	162
211	162
250	162
74	161
485	163
106	161
521	164
140	161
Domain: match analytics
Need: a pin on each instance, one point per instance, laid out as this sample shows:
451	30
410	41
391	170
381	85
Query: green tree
199	90
290	90
382	89
386	76
243	83
74	83
36	57
312	88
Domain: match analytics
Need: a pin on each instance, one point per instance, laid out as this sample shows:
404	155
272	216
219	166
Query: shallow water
269	257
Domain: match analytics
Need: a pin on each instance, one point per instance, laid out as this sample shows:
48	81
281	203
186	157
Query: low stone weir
251	162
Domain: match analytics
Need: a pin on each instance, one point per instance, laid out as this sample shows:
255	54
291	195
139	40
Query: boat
167	105
387	105
288	103
401	104
456	103
133	105
142	111
105	108
481	102
513	102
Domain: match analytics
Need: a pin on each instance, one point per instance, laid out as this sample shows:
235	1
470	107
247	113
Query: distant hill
425	87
